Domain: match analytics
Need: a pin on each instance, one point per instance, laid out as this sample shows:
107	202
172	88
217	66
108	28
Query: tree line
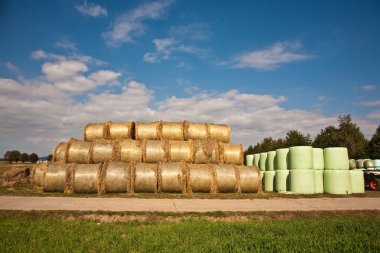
17	156
347	134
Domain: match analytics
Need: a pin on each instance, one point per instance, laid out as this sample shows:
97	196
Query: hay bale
118	177
195	131
155	151
206	151
173	131
226	180
148	131
219	132
102	151
56	177
201	178
249	179
336	158
131	151
79	152
59	153
96	131
172	177
269	180
120	131
145	177
352	164
181	151
16	175
87	178
38	174
231	153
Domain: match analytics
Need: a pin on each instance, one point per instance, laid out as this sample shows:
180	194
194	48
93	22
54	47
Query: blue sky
264	67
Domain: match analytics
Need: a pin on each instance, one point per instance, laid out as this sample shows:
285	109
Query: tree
373	148
7	156
33	158
24	157
50	158
14	156
328	137
296	138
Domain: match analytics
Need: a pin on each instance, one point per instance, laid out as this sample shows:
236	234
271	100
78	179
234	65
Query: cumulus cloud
62	70
269	58
43	55
91	9
130	24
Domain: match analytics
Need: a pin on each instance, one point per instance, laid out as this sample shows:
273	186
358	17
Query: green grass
41	232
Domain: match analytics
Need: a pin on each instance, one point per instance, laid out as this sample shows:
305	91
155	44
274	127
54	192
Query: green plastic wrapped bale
337	181
301	158
282	159
377	164
263	160
302	181
270	162
357	181
352	164
281	181
360	163
318	162
249	160
318	181
369	164
336	158
256	159
269	180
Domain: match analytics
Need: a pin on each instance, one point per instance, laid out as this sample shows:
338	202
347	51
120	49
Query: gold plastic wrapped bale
59	153
96	131
79	152
173	131
201	178
87	178
172	177
148	130
249	179
220	132
145	177
206	151
56	177
102	151
131	151
38	174
231	153
121	131
155	151
226	179
118	177
195	131
181	151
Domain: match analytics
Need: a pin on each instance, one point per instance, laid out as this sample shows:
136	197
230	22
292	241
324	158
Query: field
210	232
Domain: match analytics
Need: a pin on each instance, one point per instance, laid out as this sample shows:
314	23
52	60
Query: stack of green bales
281	179
369	164
318	167
336	175
377	164
302	176
269	172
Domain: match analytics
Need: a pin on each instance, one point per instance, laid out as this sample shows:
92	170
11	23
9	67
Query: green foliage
373	148
50	158
13	156
296	138
24	157
33	158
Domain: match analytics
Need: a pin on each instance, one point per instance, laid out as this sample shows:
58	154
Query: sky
263	67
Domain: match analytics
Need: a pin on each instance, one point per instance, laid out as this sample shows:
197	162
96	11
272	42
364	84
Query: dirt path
186	205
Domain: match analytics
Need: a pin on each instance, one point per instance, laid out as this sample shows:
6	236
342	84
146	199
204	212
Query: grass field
68	232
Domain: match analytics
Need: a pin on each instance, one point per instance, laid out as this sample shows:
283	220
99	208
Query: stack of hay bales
149	157
281	179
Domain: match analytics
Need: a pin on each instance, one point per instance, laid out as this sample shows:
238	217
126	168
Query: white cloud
368	87
12	67
105	76
131	24
369	103
271	57
42	55
65	44
374	115
62	70
194	31
91	9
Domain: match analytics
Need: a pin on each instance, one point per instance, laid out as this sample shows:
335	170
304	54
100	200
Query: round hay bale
38	174
226	180
301	158
302	181
87	178
155	151
59	153
56	177
249	179
181	151
318	181
269	180
249	160
118	177
102	151
360	163
281	181
120	131
337	181
172	177
263	160
195	131
369	164
318	160
357	181
271	161
96	131
173	131
352	164
145	177
220	132
336	158
206	151
282	159
256	160
201	178
148	131
231	153
377	164
131	151
79	152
